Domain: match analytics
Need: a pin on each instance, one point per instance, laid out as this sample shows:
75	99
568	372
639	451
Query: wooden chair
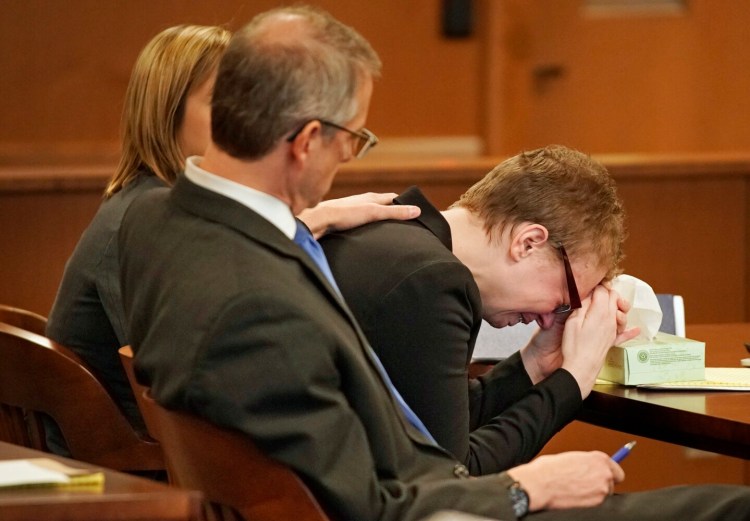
239	481
126	357
22	318
38	376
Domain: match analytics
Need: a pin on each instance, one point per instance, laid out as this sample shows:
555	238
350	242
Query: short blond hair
567	192
172	64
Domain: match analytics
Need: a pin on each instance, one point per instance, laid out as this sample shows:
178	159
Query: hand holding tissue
652	356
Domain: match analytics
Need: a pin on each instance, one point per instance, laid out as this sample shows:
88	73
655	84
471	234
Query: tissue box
666	358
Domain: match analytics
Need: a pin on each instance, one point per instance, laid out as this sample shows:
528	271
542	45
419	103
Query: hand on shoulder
349	212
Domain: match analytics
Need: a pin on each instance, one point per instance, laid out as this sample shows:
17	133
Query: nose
546	320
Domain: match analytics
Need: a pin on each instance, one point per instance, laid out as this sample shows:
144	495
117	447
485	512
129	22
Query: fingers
596	305
362	199
381	212
604	303
568	479
589	333
626	335
372	206
615	475
356	210
618	475
623	304
622	321
377	198
353	215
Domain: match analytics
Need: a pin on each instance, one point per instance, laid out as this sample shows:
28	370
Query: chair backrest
22	318
126	357
38	376
229	469
673	314
239	481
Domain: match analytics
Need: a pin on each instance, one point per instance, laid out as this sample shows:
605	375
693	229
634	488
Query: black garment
420	309
87	314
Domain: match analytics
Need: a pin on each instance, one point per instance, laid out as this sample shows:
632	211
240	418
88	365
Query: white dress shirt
272	209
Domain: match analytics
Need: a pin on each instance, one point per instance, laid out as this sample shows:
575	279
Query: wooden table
715	421
123	497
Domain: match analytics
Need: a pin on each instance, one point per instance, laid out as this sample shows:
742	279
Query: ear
526	239
306	140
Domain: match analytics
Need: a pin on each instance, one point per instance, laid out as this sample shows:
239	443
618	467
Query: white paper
496	343
24	472
716	379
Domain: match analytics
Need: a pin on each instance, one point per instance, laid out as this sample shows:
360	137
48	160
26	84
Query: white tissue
645	311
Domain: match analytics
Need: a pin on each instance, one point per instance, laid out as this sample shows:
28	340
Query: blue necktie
307	242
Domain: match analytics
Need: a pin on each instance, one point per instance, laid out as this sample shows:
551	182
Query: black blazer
232	321
420	309
87	315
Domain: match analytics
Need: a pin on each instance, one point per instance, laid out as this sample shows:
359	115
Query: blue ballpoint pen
618	456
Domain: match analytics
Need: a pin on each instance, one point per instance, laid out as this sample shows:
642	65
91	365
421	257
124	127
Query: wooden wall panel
632	81
66	66
649	83
39	231
682	241
688	218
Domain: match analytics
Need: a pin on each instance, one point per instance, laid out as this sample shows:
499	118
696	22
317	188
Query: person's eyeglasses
363	142
573	296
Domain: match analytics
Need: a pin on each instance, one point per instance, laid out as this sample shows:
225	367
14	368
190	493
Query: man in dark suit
493	255
231	320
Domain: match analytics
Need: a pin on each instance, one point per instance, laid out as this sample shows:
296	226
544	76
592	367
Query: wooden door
638	80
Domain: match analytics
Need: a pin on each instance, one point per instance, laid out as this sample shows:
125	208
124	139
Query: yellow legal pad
46	472
716	379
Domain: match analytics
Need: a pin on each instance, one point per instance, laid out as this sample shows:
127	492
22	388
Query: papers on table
46	472
716	379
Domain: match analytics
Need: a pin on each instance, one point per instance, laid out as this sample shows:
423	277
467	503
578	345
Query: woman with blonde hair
166	118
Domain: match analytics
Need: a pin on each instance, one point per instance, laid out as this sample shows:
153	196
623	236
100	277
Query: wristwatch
519	499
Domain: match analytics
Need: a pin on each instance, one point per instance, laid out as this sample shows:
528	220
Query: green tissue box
666	358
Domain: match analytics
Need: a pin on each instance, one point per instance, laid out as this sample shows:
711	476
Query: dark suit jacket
87	315
231	320
420	309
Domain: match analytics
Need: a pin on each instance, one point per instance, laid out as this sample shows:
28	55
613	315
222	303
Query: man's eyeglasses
573	296
363	142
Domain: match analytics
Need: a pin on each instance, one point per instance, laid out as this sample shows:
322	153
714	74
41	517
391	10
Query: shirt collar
267	206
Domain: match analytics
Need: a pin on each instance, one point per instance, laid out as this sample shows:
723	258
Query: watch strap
519	498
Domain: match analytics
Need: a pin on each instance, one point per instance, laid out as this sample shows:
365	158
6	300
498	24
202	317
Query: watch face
519	499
